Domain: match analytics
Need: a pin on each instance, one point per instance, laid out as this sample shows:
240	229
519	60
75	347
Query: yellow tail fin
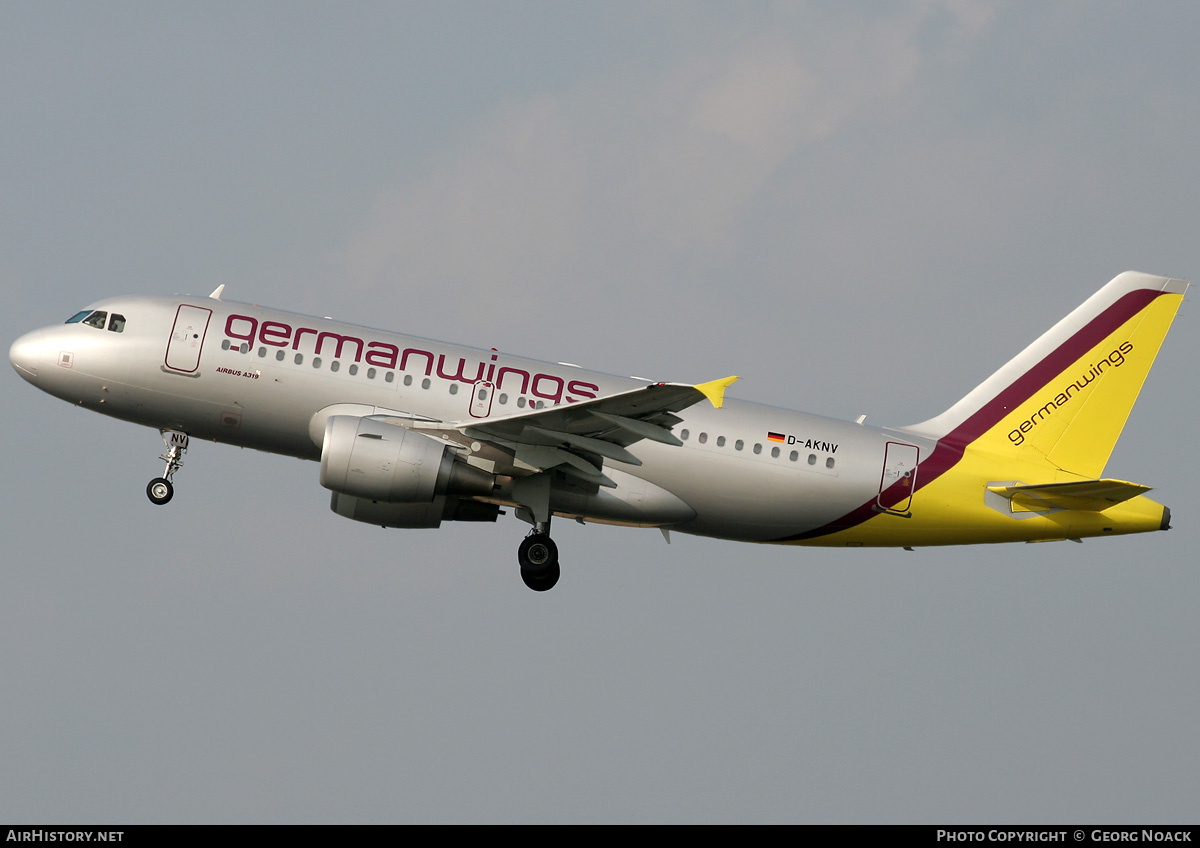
1064	400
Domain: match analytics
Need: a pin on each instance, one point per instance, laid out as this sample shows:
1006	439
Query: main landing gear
538	556
159	490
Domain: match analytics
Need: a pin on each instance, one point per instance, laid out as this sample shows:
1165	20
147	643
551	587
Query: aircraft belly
634	501
754	501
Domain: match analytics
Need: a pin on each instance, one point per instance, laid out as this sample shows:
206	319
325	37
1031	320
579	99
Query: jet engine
412	515
374	461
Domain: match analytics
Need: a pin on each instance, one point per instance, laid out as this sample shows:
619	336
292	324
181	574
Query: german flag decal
775	437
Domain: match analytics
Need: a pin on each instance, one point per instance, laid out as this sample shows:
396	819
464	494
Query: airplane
411	433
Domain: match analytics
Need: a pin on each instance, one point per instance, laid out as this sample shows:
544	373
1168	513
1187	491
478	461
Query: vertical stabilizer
1064	400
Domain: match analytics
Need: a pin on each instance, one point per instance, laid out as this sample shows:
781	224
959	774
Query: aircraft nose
26	355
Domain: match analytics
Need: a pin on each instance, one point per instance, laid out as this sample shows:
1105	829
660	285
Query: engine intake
374	461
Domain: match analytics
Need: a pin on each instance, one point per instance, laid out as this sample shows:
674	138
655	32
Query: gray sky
859	207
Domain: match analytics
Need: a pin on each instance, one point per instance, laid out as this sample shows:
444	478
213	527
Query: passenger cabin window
97	319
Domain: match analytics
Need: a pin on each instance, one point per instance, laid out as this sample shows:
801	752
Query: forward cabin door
187	338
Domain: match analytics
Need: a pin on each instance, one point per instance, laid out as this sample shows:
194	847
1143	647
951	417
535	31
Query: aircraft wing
1086	495
577	437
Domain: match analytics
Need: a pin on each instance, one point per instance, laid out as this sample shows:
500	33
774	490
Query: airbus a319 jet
411	432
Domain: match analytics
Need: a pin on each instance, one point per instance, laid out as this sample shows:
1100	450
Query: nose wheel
160	490
538	556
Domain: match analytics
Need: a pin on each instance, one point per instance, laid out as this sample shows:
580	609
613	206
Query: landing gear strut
538	556
159	490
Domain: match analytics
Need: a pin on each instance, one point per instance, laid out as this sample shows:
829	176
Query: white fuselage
267	379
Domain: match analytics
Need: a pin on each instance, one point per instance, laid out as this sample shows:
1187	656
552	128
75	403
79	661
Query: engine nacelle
374	461
412	515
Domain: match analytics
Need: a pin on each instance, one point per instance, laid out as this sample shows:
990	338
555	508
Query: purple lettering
341	340
385	356
247	336
556	394
524	378
280	334
550	387
582	389
428	365
462	366
300	331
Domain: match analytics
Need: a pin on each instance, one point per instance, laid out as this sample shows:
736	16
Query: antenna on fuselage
216	294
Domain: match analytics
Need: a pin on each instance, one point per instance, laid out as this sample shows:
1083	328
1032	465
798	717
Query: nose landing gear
160	490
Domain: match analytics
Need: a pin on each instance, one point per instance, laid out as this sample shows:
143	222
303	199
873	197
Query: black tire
537	552
542	580
159	490
538	556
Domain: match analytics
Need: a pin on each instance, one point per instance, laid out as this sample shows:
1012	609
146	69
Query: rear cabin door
187	338
899	478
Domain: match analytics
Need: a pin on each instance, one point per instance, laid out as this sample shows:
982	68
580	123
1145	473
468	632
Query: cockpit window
98	319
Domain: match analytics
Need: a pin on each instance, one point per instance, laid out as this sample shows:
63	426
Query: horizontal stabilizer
1086	495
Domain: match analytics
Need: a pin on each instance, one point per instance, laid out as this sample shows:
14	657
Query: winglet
715	390
216	295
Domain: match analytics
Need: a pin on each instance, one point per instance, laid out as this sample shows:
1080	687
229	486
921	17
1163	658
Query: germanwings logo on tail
1115	359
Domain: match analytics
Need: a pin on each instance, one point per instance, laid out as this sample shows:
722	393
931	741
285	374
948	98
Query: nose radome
26	355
